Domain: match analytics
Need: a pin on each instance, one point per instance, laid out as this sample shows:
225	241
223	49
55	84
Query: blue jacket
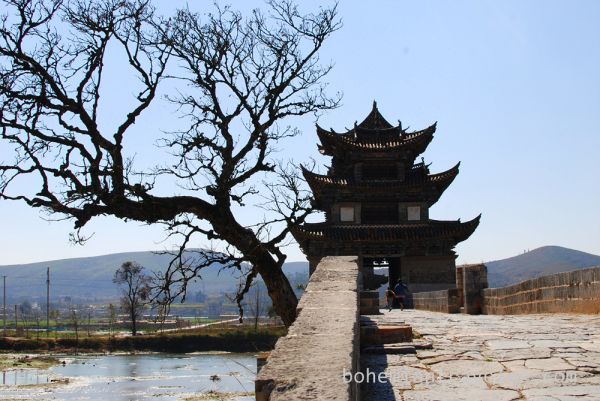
400	289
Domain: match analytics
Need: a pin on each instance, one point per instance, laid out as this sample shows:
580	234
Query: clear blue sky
514	86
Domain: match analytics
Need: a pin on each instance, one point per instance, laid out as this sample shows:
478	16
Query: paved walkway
497	358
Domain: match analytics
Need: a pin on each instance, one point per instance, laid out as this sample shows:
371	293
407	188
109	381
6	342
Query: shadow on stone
376	384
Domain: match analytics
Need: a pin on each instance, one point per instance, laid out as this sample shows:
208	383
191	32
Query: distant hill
91	277
538	262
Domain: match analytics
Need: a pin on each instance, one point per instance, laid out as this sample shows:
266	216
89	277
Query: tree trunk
133	324
279	288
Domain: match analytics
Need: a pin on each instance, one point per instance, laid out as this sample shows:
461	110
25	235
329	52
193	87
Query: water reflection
24	377
160	377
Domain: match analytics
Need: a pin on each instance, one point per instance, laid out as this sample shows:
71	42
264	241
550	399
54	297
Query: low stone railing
466	297
576	291
438	301
322	344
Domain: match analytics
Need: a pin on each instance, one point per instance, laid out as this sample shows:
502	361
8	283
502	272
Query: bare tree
75	317
89	321
257	305
36	318
136	290
16	321
112	319
233	79
25	309
162	311
55	315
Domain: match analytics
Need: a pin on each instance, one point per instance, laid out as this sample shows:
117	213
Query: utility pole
4	307
47	302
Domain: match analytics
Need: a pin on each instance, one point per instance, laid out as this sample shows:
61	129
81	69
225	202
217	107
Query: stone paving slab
552	357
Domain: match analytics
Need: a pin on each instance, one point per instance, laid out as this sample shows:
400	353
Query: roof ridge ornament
375	121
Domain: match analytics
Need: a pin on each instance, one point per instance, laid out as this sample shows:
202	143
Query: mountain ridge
538	262
91	277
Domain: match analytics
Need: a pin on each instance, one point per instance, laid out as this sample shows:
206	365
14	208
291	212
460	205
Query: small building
376	200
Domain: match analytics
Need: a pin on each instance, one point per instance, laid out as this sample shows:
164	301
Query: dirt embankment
220	340
8	361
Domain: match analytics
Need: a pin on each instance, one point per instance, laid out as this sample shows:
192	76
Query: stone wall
570	292
427	273
369	303
466	297
323	342
438	301
577	291
474	281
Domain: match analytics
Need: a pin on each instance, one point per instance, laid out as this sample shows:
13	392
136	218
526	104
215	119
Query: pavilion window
414	213
347	214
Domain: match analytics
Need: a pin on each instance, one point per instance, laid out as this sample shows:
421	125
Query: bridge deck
487	357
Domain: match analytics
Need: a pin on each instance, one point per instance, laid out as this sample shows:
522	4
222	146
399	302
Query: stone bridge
491	357
342	348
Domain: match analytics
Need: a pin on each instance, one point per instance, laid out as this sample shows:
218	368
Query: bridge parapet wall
466	297
322	344
447	301
576	291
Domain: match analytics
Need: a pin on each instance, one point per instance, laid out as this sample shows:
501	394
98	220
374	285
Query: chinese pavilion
376	201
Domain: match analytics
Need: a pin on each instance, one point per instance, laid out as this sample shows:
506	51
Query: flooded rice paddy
157	377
